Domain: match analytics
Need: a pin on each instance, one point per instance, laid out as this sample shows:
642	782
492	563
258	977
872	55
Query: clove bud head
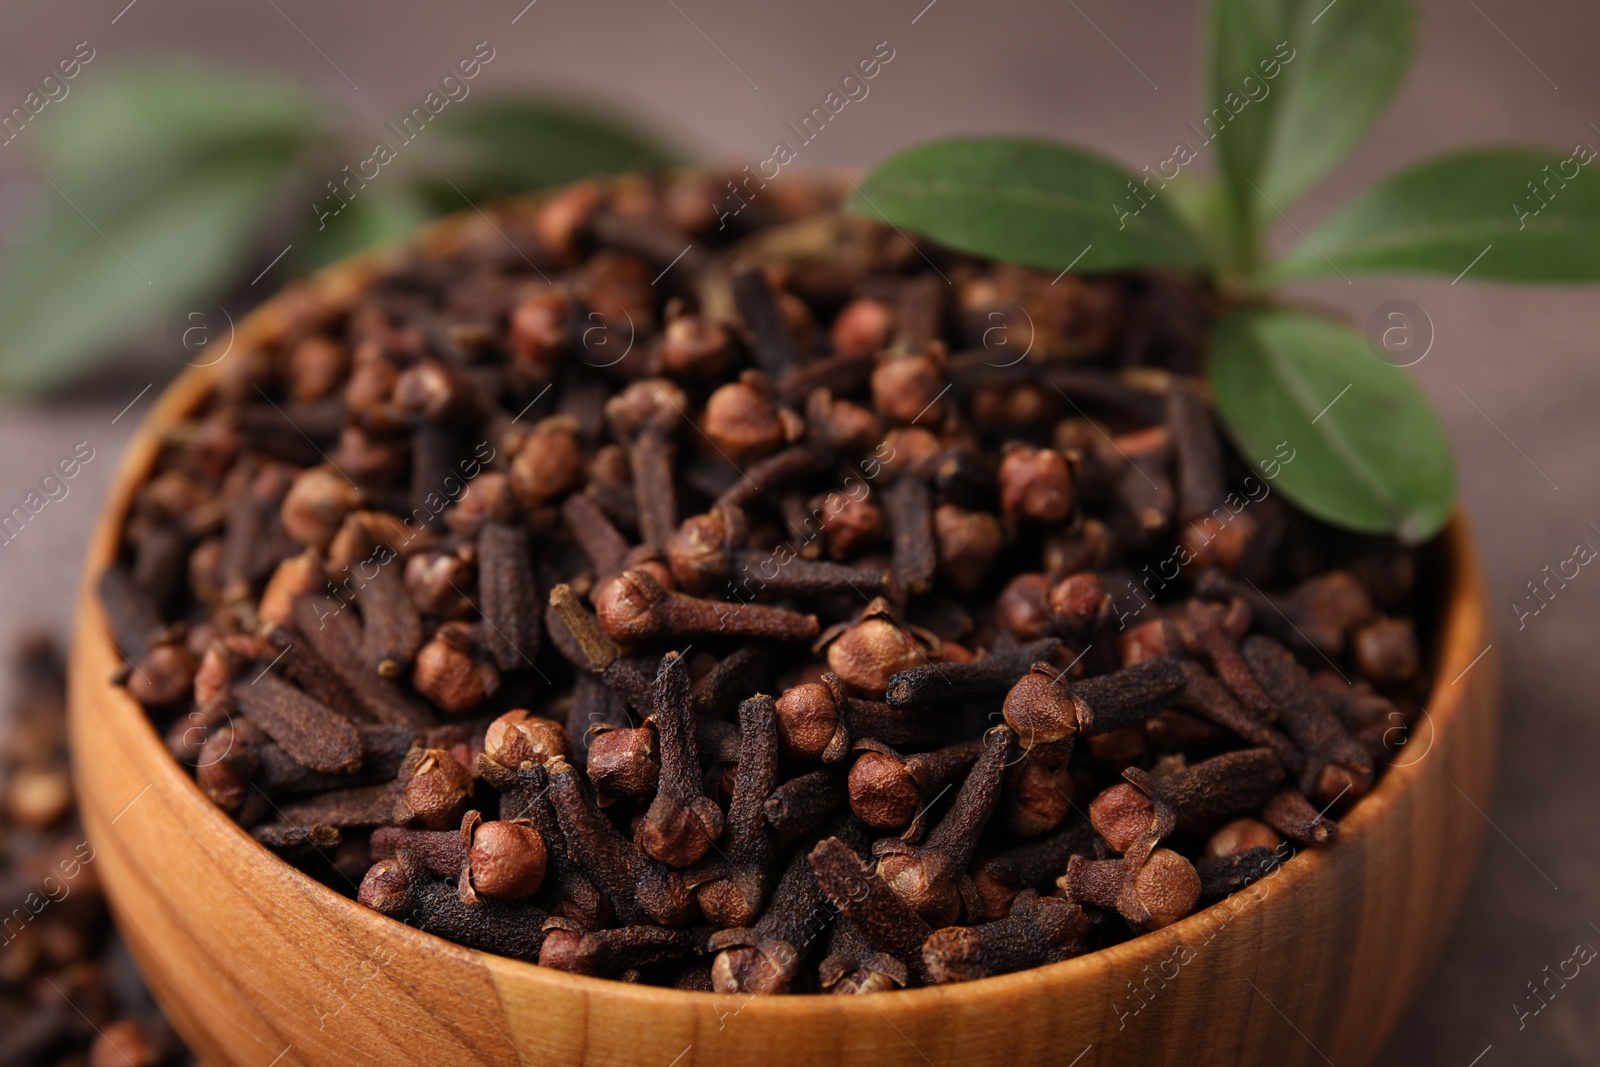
883	794
451	673
699	552
759	970
388	889
626	607
1122	815
1035	485
926	883
1166	888
436	793
1040	796
1241	835
1040	710
506	861
1024	607
808	719
560	951
742	421
679	835
519	737
625	762
866	655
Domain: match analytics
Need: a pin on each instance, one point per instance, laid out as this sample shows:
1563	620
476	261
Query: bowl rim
1459	615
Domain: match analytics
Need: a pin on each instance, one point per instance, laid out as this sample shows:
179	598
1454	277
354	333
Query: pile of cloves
69	994
721	606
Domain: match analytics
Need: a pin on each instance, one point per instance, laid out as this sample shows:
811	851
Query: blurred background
255	106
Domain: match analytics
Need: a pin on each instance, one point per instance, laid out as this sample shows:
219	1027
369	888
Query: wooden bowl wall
258	965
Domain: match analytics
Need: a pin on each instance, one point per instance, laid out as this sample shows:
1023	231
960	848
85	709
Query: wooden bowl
259	966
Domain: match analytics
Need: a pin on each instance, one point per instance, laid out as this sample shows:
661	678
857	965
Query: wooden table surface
1515	372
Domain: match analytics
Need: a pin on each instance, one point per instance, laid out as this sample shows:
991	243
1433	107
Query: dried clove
625	762
635	608
301	665
817	720
745	858
336	639
1155	893
938	684
508	595
931	877
1199	797
682	821
1044	711
866	654
801	804
908	509
1335	763
1205	696
884	920
391	629
402	888
771	343
999	878
766	958
1039	930
889	791
636	886
1291	814
435	790
453	671
297	842
606	953
704	554
363	805
1197	451
312	734
1039	794
743	671
853	966
525	796
1222	650
1241	835
594	532
1227	875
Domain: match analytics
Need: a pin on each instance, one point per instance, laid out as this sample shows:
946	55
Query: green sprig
1294	86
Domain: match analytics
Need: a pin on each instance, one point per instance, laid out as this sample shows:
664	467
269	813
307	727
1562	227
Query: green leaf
76	292
144	126
158	182
1336	66
1034	202
375	216
1473	209
1201	202
1355	440
509	145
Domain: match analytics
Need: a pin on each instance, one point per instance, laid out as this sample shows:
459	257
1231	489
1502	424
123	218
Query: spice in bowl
723	607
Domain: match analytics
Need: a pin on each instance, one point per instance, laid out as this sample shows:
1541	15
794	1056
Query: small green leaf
509	145
1472	209
1202	203
1034	202
143	126
1333	69
83	287
375	216
1364	448
156	183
